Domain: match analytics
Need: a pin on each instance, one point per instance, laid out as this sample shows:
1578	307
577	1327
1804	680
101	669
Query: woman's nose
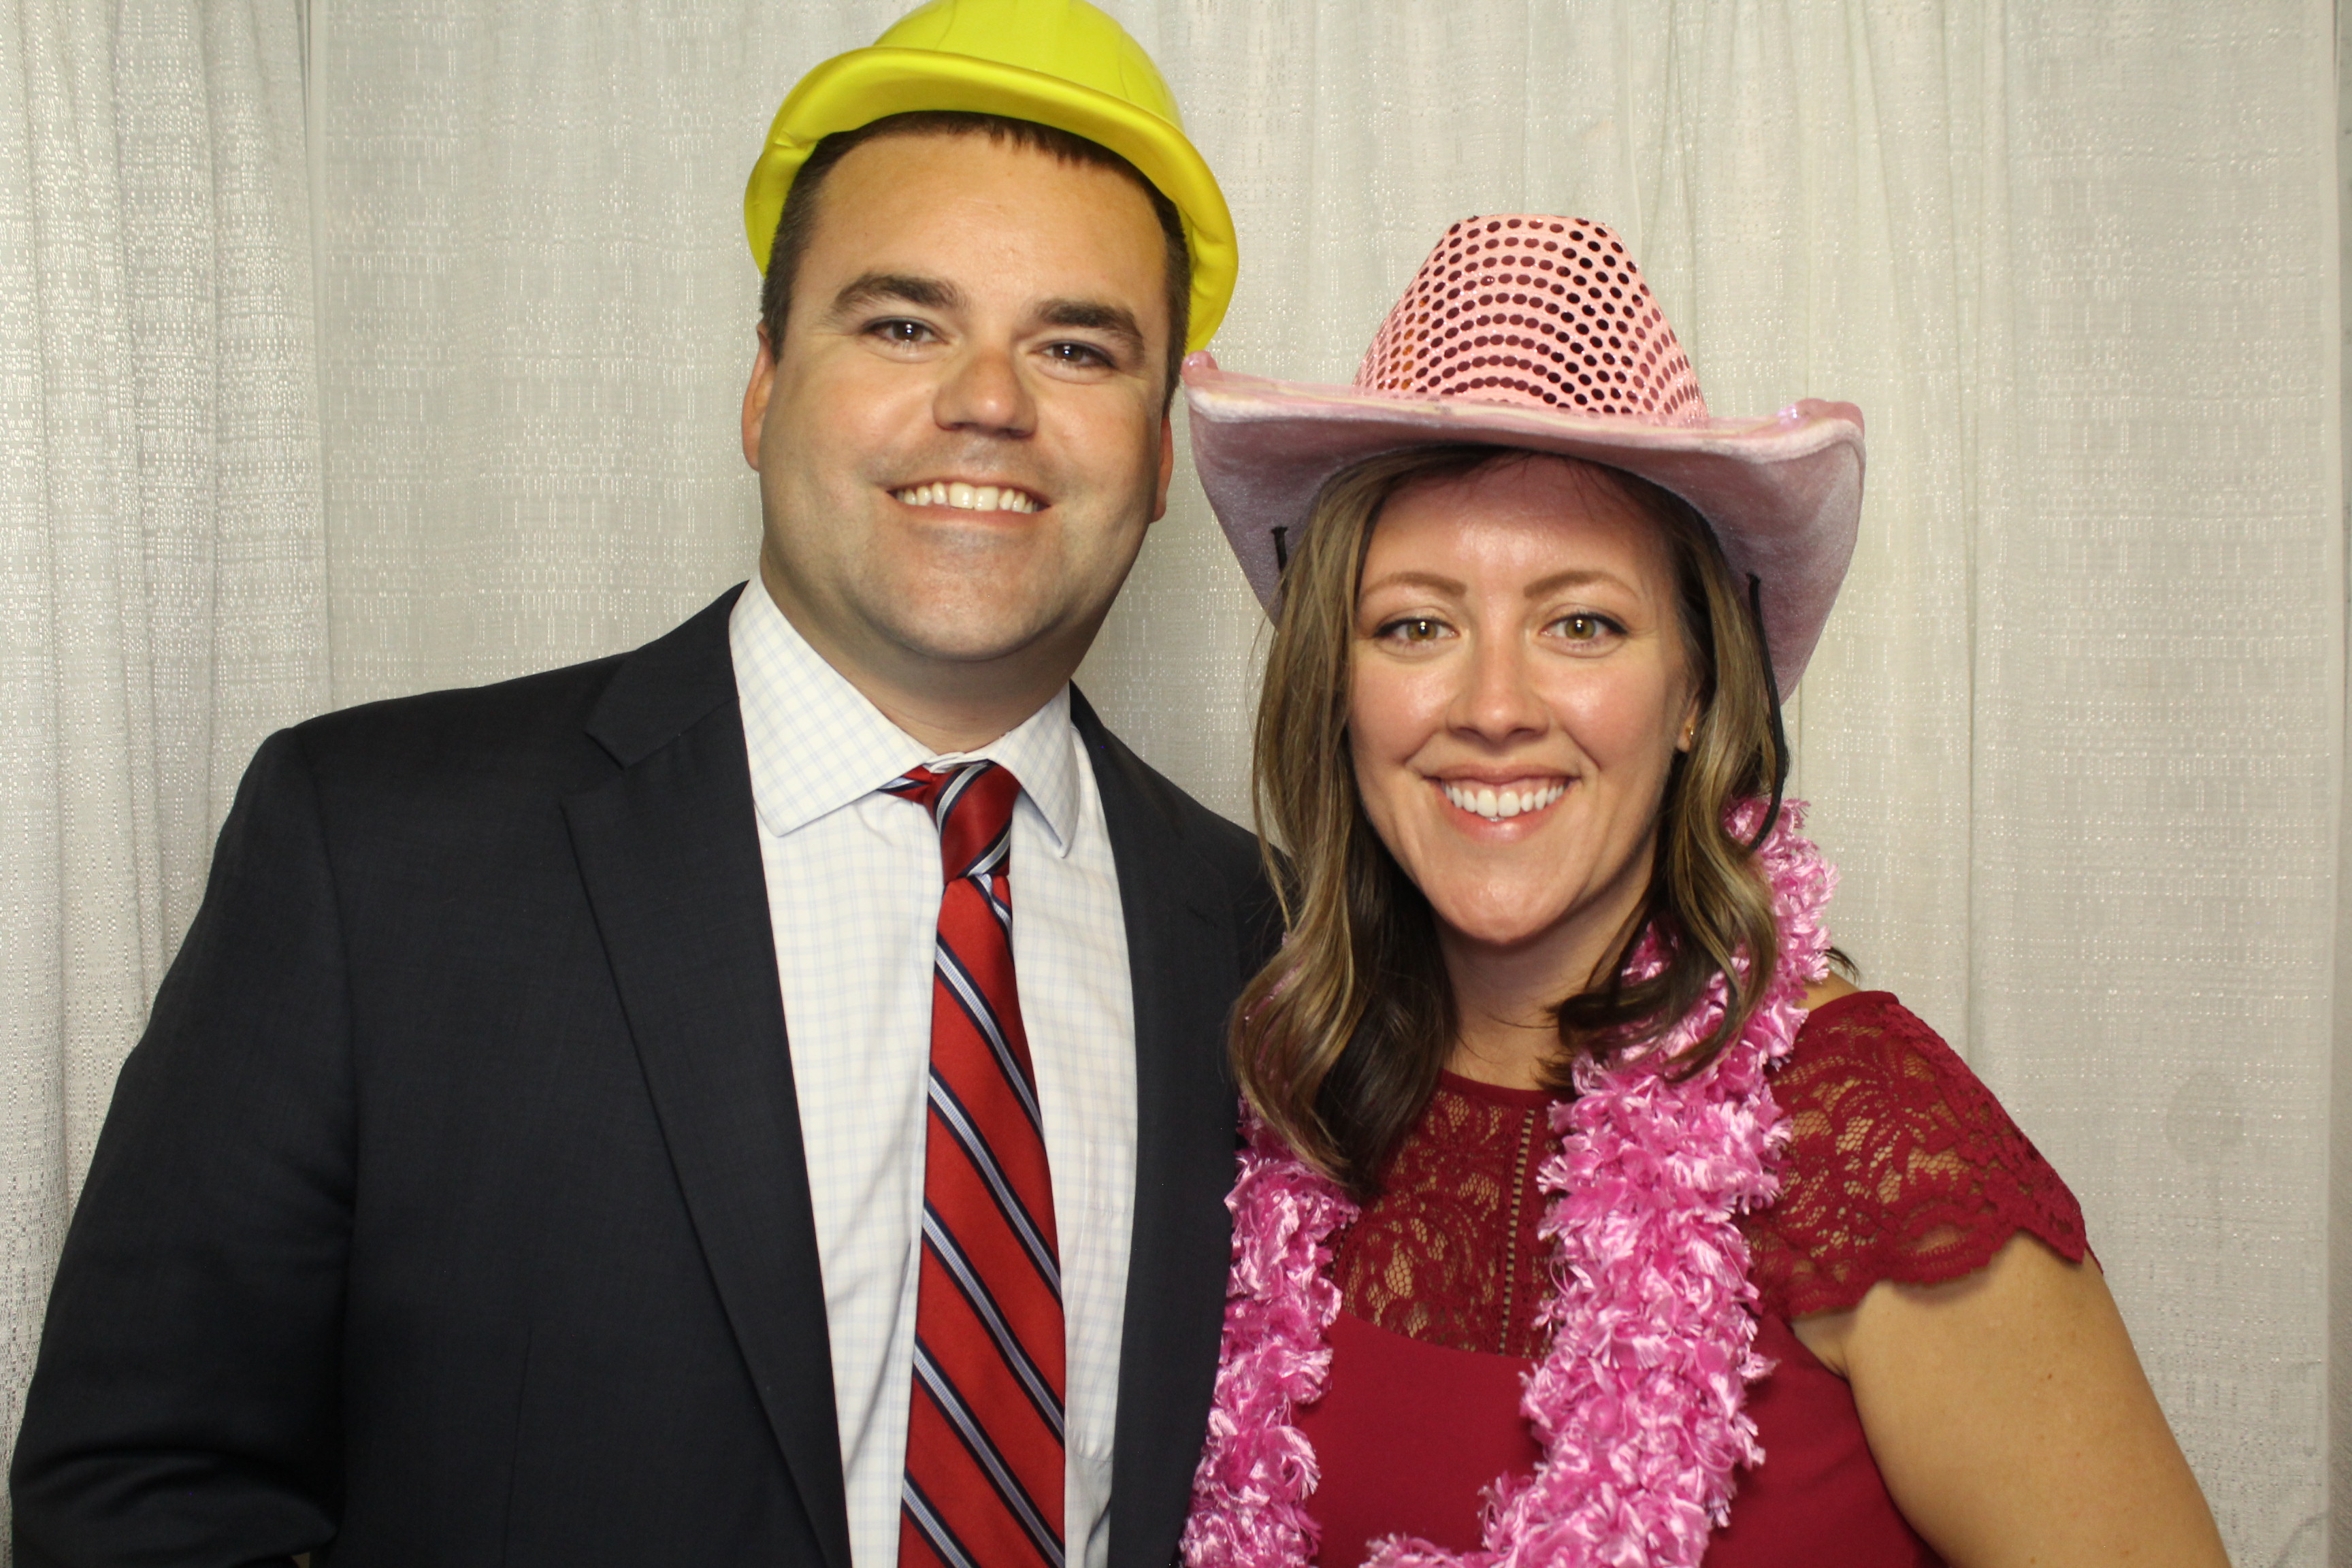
1496	700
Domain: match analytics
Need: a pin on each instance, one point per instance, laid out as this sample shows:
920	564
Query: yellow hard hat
1058	62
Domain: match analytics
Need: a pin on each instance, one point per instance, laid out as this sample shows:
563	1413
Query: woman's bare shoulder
1828	988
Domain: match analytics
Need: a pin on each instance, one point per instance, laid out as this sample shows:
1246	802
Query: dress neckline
1495	1093
1540	1099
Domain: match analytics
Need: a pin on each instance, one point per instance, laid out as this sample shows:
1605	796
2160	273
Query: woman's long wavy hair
1338	1043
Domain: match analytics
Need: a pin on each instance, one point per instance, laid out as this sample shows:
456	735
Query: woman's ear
1688	735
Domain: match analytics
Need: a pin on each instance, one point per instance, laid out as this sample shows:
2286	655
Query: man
755	1099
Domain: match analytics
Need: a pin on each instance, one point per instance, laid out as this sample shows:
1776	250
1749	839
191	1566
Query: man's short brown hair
797	227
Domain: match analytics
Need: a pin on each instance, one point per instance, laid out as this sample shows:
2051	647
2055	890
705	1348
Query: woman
1588	1215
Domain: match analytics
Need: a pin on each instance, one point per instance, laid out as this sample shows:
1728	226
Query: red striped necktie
983	1483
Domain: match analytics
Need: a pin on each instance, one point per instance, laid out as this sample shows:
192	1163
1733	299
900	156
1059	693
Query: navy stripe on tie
935	1529
990	858
958	1121
902	785
996	906
983	1306
968	995
1016	1497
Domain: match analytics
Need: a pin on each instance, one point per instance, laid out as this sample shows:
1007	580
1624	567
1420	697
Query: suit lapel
1183	956
669	851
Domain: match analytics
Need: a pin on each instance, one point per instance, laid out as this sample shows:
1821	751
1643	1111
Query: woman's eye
1414	629
1583	628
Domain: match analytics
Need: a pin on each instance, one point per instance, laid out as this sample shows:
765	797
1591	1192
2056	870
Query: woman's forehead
1539	515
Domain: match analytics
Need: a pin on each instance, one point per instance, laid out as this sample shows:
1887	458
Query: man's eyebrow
1093	315
903	288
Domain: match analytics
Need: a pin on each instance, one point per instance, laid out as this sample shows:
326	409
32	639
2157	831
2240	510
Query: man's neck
949	709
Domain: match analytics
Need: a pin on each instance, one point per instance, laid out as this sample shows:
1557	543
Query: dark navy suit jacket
453	1210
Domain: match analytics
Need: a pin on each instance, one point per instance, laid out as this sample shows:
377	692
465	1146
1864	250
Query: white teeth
966	497
1500	805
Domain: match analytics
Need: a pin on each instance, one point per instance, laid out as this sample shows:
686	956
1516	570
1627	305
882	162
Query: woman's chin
1503	924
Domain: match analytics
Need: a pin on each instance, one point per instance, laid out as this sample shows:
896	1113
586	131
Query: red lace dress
1900	1166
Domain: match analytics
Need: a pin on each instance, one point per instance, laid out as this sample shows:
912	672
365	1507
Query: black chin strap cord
1780	734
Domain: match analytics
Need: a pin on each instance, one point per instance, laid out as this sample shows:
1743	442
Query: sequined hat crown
1547	312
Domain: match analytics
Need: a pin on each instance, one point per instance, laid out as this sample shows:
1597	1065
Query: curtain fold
162	543
2160	653
2339	1193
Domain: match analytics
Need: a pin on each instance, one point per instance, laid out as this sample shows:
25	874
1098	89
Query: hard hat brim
866	84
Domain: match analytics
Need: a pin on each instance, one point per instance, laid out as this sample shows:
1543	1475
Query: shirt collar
816	744
1043	752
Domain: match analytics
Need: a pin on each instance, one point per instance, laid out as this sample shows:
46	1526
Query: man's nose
983	390
1495	699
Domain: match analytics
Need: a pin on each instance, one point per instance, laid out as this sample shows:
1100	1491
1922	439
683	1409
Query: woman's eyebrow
1574	577
1429	580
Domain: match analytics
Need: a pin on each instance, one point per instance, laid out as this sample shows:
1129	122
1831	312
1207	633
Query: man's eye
899	330
1078	354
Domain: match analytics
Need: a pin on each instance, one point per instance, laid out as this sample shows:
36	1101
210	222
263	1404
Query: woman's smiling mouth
1497	804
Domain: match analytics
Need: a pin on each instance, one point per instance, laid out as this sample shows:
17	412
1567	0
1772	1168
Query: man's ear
1167	467
755	400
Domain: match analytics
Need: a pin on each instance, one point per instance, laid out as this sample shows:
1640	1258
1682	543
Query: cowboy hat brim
1783	494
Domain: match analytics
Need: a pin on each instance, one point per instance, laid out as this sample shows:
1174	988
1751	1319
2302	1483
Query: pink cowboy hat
1537	332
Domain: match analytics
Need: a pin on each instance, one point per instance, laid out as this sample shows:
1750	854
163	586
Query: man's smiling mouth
962	497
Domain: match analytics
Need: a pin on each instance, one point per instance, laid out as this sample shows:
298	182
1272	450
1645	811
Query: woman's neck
1506	1032
1504	998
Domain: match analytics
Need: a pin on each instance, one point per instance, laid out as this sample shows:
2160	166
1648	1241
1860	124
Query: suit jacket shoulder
554	730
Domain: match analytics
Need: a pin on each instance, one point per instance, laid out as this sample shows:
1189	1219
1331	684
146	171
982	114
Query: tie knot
971	804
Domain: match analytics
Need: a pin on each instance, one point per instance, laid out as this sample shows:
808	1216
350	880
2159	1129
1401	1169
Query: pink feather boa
1640	1404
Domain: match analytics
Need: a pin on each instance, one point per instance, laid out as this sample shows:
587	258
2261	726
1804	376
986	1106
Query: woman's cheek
1383	788
1388	720
1611	721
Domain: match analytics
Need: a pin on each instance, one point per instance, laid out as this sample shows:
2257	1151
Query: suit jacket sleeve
184	1406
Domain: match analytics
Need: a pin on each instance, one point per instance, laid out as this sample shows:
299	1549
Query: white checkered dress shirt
854	897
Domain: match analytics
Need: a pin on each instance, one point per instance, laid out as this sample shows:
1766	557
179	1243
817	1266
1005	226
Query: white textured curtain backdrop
2339	1196
2074	733
163	593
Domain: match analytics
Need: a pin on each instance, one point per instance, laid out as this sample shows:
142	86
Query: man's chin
973	638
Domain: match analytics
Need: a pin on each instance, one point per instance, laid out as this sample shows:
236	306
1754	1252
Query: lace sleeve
1901	1165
